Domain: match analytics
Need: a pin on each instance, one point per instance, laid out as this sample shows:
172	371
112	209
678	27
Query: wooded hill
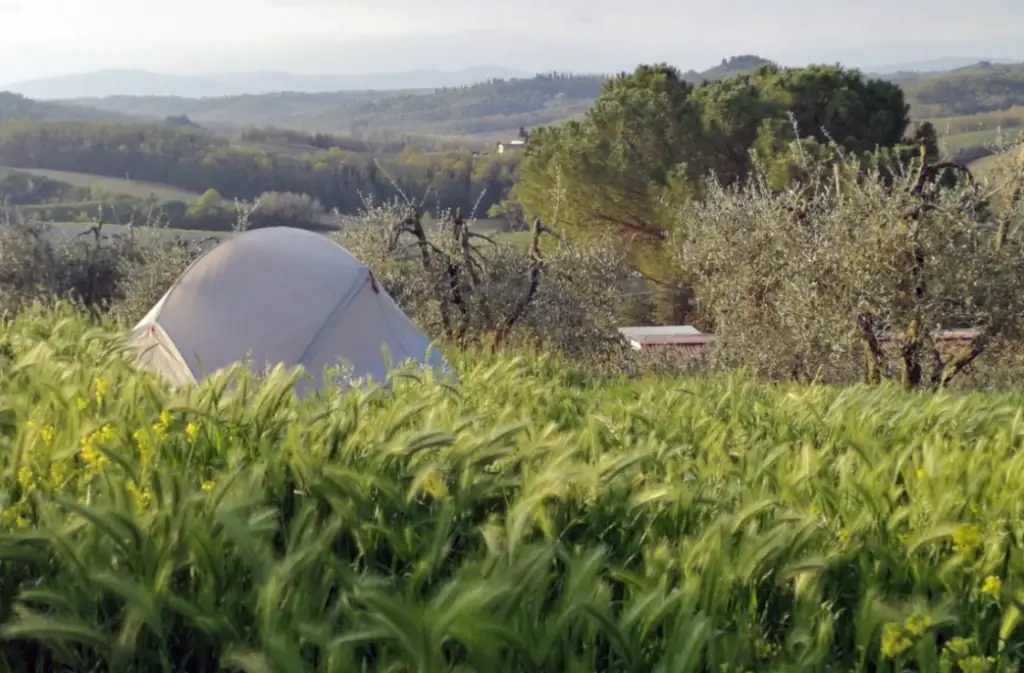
493	108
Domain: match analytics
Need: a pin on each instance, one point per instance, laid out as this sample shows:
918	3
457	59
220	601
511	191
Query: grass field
120	186
1009	120
987	166
959	142
527	519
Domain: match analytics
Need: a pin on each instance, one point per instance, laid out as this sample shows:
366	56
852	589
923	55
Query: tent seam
343	302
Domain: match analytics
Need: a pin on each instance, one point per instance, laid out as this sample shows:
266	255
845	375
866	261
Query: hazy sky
46	37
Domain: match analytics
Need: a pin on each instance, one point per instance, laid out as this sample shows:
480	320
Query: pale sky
48	37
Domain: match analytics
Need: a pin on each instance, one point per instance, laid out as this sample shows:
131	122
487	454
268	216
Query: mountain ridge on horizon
137	82
141	82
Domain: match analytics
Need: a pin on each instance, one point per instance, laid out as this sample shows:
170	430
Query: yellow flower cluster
897	639
101	388
90	452
45	433
966	539
992	586
960	650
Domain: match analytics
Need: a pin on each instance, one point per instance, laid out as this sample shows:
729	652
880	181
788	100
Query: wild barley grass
527	519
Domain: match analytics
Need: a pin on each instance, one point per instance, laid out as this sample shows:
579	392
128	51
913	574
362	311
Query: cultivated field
527	519
116	186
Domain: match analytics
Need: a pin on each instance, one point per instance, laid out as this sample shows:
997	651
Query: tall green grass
526	519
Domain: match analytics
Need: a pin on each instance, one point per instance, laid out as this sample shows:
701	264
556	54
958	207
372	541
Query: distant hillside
729	66
283	109
494	107
935	65
105	83
983	87
498	107
15	106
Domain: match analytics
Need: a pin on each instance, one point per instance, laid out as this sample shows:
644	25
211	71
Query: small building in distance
517	143
690	342
685	338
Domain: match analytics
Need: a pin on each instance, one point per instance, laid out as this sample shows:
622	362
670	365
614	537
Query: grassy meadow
115	186
526	518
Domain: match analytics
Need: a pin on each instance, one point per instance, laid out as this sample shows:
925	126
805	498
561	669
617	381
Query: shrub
850	275
126	272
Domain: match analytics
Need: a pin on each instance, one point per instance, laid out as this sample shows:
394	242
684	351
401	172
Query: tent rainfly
278	296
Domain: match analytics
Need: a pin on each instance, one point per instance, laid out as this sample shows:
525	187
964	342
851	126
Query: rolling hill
286	109
499	106
492	107
16	106
103	83
982	87
495	108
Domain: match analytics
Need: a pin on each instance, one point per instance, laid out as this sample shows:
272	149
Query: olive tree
853	274
463	287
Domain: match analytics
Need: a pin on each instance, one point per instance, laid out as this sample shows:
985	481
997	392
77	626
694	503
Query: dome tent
277	296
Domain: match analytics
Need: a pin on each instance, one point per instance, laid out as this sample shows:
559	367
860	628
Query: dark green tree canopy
651	139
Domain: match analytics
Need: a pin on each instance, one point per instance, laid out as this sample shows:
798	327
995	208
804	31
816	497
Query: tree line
195	160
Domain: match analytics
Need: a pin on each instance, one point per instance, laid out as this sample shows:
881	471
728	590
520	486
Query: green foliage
529	519
126	273
849	274
651	142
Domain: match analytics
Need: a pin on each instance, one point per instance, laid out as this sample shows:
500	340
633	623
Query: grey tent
278	296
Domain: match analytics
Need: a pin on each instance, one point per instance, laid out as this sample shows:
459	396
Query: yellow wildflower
966	539
976	664
82	403
992	586
191	431
13	516
90	453
921	474
957	647
208	486
918	624
145	444
47	434
57	474
102	387
142	497
894	641
435	487
163	425
25	478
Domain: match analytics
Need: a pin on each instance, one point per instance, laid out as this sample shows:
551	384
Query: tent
277	296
